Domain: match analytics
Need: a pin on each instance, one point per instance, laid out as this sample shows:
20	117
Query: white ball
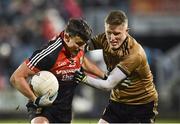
43	82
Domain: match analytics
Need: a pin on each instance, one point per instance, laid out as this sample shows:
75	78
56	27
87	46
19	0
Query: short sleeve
39	61
43	59
130	63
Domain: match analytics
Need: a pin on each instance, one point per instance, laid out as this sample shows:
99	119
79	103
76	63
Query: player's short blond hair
116	17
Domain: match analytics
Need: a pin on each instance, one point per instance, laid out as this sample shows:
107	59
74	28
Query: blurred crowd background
27	24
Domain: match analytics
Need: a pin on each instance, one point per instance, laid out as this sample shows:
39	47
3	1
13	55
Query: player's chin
76	51
115	47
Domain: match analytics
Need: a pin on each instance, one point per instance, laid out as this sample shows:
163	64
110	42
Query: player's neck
70	53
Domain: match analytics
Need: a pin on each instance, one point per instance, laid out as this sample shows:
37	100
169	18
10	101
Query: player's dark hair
116	17
79	27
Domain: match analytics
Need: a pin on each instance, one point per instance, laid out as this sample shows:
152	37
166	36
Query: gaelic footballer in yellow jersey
131	59
133	95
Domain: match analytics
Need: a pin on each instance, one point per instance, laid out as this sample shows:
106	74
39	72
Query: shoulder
46	55
99	41
132	50
136	50
53	44
57	38
99	37
50	47
134	46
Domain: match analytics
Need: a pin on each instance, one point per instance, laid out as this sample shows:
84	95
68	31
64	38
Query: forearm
91	68
113	79
96	71
21	85
18	80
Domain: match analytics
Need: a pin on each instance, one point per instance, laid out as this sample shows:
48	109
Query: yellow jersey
131	59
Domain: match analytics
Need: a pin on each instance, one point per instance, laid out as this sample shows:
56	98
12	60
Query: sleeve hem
127	73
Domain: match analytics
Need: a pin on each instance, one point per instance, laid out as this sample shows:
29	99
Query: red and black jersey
56	58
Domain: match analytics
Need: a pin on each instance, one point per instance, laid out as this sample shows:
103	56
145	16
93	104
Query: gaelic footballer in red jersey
62	56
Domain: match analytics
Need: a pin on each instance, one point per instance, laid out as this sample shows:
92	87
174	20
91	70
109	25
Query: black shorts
117	112
52	113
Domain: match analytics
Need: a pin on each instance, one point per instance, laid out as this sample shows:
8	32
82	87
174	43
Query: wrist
33	98
36	101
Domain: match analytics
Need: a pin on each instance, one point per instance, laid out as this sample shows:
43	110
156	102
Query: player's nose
112	37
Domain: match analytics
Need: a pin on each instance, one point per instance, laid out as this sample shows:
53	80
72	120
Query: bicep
23	71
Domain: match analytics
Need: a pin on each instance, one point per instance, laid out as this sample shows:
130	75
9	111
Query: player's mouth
114	43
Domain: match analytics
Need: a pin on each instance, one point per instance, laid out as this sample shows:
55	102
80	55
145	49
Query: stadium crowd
25	24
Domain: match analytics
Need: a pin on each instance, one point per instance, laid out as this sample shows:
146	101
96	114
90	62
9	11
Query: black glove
79	76
45	100
105	77
30	104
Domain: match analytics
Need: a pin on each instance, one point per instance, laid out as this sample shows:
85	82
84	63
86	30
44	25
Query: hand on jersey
126	83
45	100
80	77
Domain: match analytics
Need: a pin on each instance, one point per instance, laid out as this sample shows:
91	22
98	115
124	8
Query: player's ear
66	37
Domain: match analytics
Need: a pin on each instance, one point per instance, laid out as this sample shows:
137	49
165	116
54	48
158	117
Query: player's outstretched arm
91	68
115	76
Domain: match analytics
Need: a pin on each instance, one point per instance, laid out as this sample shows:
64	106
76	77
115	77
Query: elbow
108	87
13	79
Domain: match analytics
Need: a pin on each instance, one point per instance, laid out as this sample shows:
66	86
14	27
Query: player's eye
117	33
109	33
80	43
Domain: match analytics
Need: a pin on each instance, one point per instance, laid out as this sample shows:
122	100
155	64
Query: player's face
115	35
75	43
